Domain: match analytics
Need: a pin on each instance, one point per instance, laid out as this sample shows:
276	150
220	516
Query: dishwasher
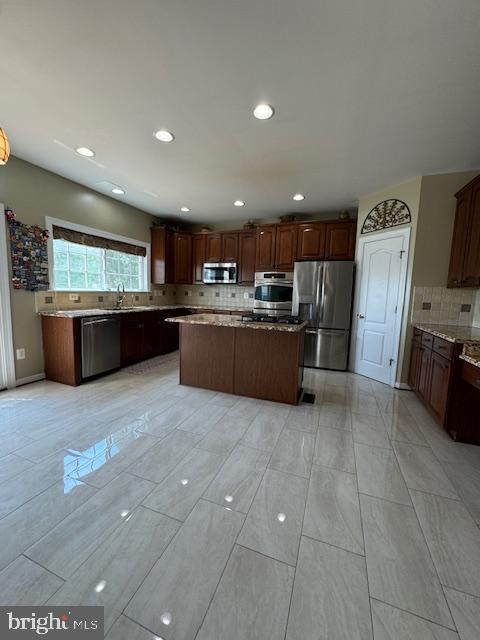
100	345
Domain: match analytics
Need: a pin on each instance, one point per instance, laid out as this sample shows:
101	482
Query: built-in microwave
220	273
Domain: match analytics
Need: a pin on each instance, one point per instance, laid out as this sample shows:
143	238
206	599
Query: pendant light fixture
4	147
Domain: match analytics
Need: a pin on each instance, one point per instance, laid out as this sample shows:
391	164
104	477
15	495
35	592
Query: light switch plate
20	354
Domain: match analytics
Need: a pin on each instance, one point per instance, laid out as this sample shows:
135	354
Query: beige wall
34	193
409	192
435	227
431	200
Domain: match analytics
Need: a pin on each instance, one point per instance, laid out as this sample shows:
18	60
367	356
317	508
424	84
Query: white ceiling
367	93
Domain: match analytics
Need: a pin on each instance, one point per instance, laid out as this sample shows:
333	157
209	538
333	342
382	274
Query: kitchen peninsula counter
254	359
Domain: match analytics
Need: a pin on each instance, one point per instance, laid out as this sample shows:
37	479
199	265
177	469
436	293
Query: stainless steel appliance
100	345
273	292
220	272
322	295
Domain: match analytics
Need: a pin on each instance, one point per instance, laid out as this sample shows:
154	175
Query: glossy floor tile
332	512
252	598
274	522
330	595
393	624
26	583
175	596
191	514
400	569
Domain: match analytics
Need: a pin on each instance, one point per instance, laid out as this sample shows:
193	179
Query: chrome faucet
120	294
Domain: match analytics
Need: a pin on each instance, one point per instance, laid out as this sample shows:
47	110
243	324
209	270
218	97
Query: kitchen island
254	359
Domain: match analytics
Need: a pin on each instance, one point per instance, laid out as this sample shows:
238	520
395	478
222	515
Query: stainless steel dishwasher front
100	345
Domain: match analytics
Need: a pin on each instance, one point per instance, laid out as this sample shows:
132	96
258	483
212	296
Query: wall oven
220	273
273	292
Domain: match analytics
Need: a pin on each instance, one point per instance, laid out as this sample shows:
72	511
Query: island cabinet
276	246
464	268
222	355
432	365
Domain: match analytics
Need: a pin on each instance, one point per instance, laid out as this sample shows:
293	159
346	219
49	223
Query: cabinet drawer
417	333
443	347
427	340
471	374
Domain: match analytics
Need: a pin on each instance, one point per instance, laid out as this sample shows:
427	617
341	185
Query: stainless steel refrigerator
322	295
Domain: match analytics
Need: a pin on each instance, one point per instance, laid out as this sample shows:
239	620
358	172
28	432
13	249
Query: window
80	267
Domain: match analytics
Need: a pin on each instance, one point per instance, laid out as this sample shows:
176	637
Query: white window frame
7	364
51	222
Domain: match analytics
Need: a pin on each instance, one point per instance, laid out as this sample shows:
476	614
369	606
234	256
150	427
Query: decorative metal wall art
386	214
28	249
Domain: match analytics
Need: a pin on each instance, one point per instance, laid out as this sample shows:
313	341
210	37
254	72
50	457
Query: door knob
360	317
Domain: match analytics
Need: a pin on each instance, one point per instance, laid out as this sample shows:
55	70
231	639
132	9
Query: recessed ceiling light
118	191
239	203
164	136
299	196
184	209
263	111
85	151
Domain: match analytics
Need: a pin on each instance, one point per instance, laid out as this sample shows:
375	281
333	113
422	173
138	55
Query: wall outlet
20	354
74	297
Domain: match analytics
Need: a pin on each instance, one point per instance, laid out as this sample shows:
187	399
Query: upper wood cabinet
340	240
198	256
311	241
229	247
182	258
464	268
286	246
246	257
265	249
162	248
214	247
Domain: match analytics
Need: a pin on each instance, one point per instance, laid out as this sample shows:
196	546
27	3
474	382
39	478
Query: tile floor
192	514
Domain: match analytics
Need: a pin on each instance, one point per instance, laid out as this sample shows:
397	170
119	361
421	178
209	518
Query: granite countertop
218	320
83	313
452	333
471	354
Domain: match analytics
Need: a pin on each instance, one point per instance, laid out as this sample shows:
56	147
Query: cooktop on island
261	317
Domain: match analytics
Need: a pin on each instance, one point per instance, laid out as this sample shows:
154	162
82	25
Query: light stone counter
218	320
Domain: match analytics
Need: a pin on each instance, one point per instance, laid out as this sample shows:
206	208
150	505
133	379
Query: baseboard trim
35	378
402	385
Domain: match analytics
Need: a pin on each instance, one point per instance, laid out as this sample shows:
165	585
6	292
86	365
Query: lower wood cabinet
464	424
145	335
432	364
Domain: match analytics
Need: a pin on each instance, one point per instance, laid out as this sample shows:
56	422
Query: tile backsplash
231	296
439	305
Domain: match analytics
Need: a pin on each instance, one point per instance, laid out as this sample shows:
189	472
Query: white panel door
383	260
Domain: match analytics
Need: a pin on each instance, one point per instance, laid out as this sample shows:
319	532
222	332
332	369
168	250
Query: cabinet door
214	247
311	241
133	339
285	246
340	240
471	266
439	386
198	259
183	258
414	365
459	242
246	258
424	372
229	247
265	247
161	255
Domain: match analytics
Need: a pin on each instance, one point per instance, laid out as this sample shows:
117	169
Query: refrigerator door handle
321	282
